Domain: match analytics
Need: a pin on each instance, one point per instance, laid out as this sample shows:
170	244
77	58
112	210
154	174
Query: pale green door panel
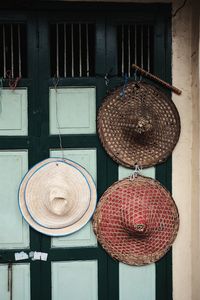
72	110
84	237
14	231
125	172
87	158
75	280
13	112
137	283
20	282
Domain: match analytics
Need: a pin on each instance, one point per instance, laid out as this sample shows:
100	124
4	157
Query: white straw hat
57	197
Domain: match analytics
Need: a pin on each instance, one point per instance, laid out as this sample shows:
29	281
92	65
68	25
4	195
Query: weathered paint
73	110
20	282
14	231
74	280
13	112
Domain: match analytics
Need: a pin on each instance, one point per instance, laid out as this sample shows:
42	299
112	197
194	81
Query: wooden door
69	59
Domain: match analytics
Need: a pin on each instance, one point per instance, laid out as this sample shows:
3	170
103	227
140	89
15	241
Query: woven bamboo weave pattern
136	221
139	126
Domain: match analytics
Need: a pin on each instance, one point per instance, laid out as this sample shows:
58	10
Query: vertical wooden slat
129	52
65	52
11	50
80	52
142	45
87	51
122	49
4	52
135	29
72	47
148	48
19	50
57	51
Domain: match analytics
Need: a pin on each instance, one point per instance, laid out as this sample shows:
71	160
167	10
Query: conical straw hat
140	125
136	221
57	197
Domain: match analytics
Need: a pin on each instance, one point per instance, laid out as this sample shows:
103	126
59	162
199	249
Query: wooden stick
153	77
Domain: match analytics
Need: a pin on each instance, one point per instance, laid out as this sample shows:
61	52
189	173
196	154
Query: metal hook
107	80
137	170
55	82
125	83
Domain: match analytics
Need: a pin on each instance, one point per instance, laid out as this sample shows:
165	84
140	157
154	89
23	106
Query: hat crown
143	124
59	201
135	221
137	228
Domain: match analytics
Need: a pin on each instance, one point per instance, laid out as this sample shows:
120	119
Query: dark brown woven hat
139	126
136	221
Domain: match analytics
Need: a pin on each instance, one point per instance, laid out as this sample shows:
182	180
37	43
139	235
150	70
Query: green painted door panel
137	283
20	282
72	110
74	280
125	172
13	112
87	158
14	231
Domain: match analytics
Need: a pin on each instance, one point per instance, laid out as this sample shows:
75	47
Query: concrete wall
185	175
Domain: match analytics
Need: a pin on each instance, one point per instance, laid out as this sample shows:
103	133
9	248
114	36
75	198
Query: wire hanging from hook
56	81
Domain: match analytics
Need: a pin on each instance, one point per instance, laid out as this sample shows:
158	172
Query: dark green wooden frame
39	141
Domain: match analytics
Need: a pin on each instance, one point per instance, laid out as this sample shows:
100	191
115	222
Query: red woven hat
136	221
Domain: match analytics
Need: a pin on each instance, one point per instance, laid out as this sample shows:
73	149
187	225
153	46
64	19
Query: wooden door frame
38	82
